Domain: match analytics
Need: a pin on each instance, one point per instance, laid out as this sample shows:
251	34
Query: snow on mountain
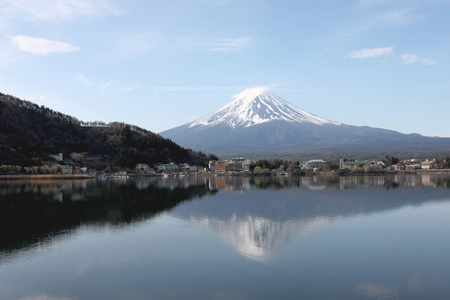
258	121
256	106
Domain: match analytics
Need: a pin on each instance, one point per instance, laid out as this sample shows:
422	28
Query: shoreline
45	177
340	174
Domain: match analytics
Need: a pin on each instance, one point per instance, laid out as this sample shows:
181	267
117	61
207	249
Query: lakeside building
78	156
428	164
234	165
221	166
173	168
314	165
212	166
167	168
238	164
399	167
57	157
353	165
143	168
184	168
67	169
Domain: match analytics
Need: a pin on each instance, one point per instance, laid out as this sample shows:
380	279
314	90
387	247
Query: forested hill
29	133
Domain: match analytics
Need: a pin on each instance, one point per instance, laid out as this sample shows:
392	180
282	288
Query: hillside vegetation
29	133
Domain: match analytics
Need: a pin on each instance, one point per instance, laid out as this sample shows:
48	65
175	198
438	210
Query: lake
372	237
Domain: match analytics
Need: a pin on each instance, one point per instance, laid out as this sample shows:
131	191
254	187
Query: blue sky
160	64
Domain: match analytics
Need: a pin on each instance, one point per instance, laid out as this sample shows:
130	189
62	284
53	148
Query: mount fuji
259	123
257	106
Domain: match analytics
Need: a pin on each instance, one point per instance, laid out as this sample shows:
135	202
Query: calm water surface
384	237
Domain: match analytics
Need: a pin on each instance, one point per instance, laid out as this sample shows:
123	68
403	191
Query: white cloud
409	58
55	10
371	52
40	45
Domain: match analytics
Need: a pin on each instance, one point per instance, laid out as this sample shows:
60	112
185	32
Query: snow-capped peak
256	106
249	95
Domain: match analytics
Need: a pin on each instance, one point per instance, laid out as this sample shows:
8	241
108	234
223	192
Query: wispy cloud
105	87
401	16
405	58
379	15
55	10
128	89
140	43
413	58
84	80
428	61
230	44
373	2
187	88
40	45
223	88
137	43
371	52
409	58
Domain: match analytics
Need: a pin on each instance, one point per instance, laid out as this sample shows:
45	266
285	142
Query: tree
332	165
126	135
212	157
391	160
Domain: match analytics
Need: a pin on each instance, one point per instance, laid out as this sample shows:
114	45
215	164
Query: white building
314	165
428	164
57	157
212	165
238	164
353	165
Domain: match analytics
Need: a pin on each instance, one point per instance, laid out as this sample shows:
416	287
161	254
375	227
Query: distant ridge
259	123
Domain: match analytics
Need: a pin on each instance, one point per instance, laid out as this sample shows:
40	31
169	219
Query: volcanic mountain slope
257	106
258	121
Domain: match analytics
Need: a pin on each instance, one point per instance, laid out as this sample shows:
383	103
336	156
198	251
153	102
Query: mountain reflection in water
284	207
255	215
